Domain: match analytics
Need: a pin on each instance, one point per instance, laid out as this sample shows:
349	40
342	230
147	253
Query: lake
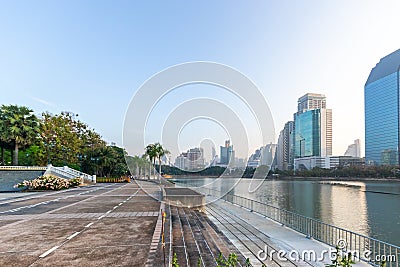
370	208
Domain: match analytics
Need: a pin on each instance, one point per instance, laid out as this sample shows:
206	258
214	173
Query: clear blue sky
89	57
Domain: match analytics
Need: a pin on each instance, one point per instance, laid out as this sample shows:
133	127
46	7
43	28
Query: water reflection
368	208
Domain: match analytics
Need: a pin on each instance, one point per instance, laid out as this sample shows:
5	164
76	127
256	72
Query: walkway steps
197	240
250	239
191	244
178	240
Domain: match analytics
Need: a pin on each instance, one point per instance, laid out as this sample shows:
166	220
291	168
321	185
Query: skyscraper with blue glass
381	94
312	127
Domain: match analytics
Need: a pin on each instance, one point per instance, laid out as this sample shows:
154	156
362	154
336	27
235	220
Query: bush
75	181
49	183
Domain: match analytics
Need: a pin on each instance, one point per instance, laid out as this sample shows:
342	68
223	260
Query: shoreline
300	178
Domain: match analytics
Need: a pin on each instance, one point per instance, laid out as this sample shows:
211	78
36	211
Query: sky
90	57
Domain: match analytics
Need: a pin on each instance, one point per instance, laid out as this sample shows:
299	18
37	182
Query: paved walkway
251	232
100	225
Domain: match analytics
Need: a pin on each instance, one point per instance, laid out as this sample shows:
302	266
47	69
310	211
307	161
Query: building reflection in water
345	205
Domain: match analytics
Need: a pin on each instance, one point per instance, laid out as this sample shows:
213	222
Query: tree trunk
159	166
150	169
154	167
2	156
15	161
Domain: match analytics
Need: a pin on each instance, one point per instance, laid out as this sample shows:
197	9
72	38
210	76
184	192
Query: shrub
75	181
49	183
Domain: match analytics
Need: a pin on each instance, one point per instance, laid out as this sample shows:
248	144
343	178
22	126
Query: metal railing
23	168
69	173
365	248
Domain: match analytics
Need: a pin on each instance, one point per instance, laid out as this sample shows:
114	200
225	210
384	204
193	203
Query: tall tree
160	152
151	153
19	127
67	140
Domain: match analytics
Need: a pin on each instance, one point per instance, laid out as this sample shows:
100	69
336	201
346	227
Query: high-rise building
353	150
181	161
191	160
311	101
268	154
284	149
227	154
313	127
255	159
195	158
381	98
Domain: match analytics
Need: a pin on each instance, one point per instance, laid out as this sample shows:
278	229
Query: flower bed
49	183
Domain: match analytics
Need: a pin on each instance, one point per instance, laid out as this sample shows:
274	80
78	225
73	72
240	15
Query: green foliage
247	263
160	152
75	181
383	171
66	140
345	260
19	128
230	262
211	171
137	165
175	261
61	140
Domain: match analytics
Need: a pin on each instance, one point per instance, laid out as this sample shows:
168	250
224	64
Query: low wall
184	197
9	178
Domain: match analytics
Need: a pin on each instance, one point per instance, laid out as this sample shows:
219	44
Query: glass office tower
313	133
307	134
381	95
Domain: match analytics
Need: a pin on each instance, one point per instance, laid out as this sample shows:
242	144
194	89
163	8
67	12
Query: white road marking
102	216
90	224
108	211
48	252
73	235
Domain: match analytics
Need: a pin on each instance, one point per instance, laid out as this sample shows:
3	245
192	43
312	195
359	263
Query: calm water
369	208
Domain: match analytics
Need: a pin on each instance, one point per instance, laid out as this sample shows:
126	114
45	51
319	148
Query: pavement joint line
48	252
73	235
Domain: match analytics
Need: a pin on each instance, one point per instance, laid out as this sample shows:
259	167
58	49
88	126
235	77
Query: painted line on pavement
90	224
73	235
48	252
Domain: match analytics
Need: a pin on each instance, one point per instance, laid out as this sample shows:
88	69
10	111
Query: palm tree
161	152
19	127
151	153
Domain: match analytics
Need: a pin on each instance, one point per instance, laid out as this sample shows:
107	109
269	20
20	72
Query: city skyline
89	58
